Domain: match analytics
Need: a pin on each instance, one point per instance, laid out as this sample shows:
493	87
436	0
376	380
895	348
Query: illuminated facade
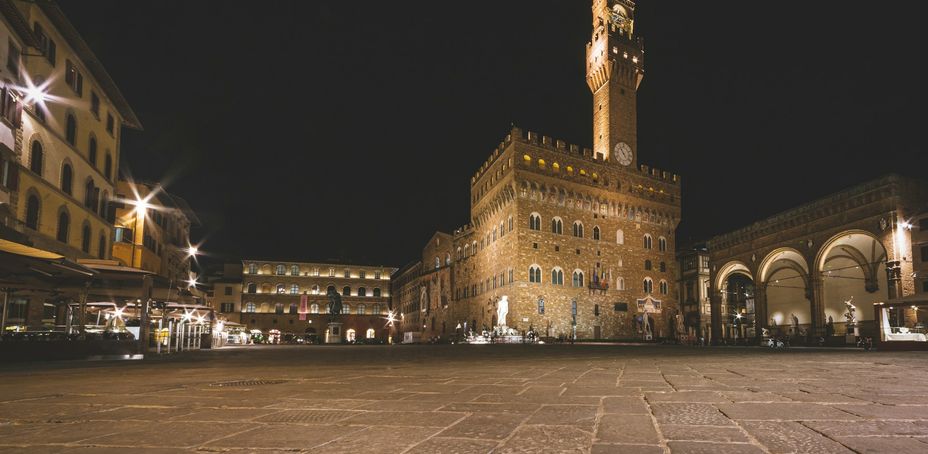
272	292
156	236
62	119
793	272
694	290
574	237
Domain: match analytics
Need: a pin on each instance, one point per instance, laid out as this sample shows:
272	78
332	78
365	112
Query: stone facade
695	290
60	139
272	292
156	238
573	237
803	264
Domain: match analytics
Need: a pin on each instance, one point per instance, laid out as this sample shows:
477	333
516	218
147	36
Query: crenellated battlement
560	146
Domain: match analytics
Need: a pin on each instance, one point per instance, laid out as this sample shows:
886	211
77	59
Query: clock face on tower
623	153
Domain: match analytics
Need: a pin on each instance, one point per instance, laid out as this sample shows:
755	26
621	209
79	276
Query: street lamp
141	208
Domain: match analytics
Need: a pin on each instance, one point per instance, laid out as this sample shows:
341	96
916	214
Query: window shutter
13	182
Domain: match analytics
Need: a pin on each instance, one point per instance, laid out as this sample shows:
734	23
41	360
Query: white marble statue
851	314
502	310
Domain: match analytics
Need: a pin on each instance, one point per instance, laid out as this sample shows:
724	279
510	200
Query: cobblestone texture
472	399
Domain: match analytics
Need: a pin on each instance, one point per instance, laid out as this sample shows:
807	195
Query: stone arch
785	288
848	267
730	268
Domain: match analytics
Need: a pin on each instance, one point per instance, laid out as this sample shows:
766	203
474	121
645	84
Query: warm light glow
192	251
905	225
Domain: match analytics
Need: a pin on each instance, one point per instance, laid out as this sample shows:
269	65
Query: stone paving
472	399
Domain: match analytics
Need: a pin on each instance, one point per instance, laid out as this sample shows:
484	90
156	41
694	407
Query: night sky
349	130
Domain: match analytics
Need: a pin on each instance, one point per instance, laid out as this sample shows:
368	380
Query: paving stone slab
583	416
405	418
868	428
547	440
785	411
439	445
625	406
629	429
626	449
884	445
791	437
689	414
688	447
489	426
703	433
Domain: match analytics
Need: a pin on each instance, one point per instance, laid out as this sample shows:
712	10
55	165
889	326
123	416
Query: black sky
337	129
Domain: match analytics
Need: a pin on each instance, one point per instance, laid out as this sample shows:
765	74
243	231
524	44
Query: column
760	310
818	306
716	303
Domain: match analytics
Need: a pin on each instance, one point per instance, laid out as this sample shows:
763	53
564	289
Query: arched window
101	247
295	270
578	279
71	130
466	250
315	290
314	308
502	229
510	223
252	268
346	291
36	158
294	289
620	283
252	288
92	151
596	310
266	288
330	289
346	309
375	309
648	285
557	276
250	308
90	194
281	289
362	309
578	229
281	270
662	244
279	308
620	237
664	287
108	166
596	233
448	259
67	179
534	221
370	333
541	305
362	291
104	205
663	267
294	309
32	212
648	241
85	239
557	226
377	293
64	224
534	274
351	335
647	265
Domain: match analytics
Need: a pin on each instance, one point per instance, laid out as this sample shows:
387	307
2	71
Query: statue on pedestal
502	310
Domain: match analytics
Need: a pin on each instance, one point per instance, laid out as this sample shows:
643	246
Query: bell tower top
615	68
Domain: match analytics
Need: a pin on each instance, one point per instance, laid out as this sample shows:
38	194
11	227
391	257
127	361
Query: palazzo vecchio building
580	241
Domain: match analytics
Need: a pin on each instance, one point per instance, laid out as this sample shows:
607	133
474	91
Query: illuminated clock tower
615	67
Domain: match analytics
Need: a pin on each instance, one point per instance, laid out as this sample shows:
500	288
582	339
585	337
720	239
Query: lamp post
141	207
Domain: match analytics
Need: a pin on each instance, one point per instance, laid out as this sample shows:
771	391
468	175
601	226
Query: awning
26	267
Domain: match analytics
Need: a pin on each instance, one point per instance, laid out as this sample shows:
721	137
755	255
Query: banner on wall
649	305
